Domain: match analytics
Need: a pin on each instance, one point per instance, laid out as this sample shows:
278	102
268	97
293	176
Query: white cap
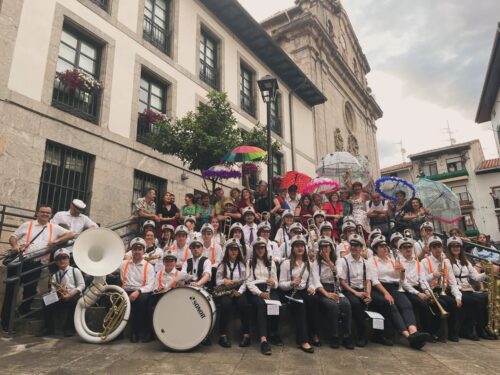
396	235
349	218
356	238
167	226
169	254
196	240
265	225
296	226
149	222
232	242
325	240
237	225
434	239
319	213
181	229
405	241
259	241
61	252
190	218
378	240
207	227
325	225
138	241
298	239
286	213
375	232
248	210
454	239
427	224
348	225
79	204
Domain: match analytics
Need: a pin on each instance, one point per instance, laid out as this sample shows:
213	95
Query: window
77	51
462	193
277	164
208	60
152	98
247	90
276	115
66	175
430	169
495	194
156	23
102	3
454	164
349	116
145	181
467	222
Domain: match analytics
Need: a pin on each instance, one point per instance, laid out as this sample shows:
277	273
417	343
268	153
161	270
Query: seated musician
198	266
348	229
236	232
167	236
250	227
190	223
475	305
374	233
394	240
283	234
211	250
181	246
422	245
264	231
331	300
437	273
218	235
392	304
326	230
230	277
261	268
296	229
138	278
152	254
69	284
297	281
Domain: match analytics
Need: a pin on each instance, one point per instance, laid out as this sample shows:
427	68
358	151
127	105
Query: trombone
442	312
264	216
227	226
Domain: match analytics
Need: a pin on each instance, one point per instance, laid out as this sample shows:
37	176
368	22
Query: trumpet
408	233
442	312
150	257
401	272
61	290
442	281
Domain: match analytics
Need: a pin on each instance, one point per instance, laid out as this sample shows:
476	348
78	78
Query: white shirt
138	276
430	265
70	277
382	206
247	229
386	272
306	281
183	253
238	273
414	276
50	233
285	250
355	268
463	275
325	276
165	278
76	224
213	253
261	272
282	236
207	267
292	203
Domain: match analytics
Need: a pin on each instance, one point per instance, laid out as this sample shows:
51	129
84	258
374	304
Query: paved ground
31	355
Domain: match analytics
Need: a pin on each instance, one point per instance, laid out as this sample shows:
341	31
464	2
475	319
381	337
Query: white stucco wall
485	216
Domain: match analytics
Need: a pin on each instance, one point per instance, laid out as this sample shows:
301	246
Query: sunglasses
197	246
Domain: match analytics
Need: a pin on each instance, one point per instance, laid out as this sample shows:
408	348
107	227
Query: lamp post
268	87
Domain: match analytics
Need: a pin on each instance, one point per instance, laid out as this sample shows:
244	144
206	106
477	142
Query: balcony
79	103
156	35
465	201
208	74
145	130
448	175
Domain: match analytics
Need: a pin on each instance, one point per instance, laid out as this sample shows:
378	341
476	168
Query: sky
428	62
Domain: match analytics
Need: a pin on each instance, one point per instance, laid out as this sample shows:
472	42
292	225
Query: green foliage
258	137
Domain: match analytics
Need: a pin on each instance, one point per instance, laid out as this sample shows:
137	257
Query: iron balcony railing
208	74
145	130
156	35
79	103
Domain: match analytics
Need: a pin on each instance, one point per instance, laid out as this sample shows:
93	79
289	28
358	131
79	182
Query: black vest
199	271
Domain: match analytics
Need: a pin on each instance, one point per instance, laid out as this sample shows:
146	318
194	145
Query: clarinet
336	282
269	269
296	288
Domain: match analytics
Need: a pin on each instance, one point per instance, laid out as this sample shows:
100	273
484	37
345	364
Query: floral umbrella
389	186
295	178
336	164
321	185
243	154
442	203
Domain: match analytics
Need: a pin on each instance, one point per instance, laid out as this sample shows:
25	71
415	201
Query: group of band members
322	280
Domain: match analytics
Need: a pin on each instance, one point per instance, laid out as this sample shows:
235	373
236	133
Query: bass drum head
183	318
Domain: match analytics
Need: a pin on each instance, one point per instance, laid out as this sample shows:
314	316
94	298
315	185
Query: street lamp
268	86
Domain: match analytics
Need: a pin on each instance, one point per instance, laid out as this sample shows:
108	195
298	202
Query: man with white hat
211	250
283	233
250	228
68	283
181	245
138	279
422	245
348	229
198	266
74	219
285	249
264	231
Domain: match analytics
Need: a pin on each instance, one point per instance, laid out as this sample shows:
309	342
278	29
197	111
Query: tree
202	138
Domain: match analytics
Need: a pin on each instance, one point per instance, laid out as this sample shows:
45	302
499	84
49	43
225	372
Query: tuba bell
98	252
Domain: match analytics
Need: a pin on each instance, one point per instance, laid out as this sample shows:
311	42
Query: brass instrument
401	272
408	233
493	285
227	226
223	290
442	281
115	314
153	256
61	290
442	312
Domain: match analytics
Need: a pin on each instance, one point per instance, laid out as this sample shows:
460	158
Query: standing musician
296	229
250	227
356	275
231	274
422	245
283	233
261	269
264	231
69	284
236	231
198	266
391	302
416	288
181	246
30	237
443	282
344	248
330	298
138	279
475	304
296	279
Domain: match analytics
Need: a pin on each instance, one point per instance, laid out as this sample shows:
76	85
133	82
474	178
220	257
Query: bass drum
184	317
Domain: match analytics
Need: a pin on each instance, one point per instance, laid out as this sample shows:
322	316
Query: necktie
251	236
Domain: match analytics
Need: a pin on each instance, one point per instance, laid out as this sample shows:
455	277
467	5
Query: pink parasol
321	185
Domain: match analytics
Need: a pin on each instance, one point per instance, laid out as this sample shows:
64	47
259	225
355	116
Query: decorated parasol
295	178
442	203
221	171
361	173
242	154
389	186
336	164
321	185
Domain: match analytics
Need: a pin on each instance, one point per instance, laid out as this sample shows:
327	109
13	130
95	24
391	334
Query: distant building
463	169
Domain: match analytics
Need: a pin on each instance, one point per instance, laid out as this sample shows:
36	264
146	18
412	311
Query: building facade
463	169
319	37
58	142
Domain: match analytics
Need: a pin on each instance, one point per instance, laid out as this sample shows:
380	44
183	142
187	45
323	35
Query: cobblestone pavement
54	355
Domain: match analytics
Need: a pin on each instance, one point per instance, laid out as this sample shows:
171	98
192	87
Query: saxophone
493	285
223	290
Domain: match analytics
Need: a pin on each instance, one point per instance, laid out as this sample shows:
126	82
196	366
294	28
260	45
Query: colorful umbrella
336	164
442	203
243	154
389	186
295	178
321	185
221	171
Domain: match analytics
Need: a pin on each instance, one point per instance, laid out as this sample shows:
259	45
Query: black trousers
333	311
228	305
139	314
305	316
400	314
474	312
358	308
266	325
430	323
64	307
29	290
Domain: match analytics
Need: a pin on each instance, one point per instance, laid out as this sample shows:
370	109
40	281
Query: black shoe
348	343
433	339
471	336
361	342
486	335
316	343
453	338
148	337
224	342
418	340
276	340
335	343
245	341
207	342
69	332
381	339
134	337
307	350
265	348
45	332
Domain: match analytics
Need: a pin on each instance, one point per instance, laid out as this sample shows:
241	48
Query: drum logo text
197	307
